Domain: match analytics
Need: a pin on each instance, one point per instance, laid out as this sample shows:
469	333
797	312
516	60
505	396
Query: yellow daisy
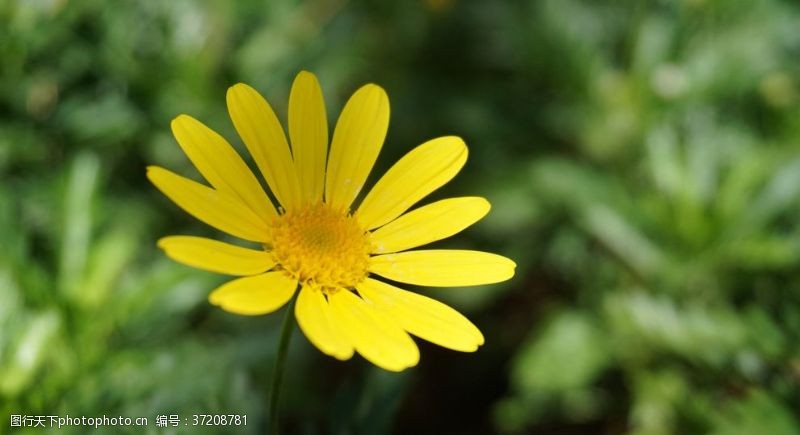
316	240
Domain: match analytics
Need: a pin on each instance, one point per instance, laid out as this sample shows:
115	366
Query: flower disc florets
321	247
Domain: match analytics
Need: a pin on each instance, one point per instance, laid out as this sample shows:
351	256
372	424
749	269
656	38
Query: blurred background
642	159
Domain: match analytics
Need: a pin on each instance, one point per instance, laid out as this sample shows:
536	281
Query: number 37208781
219	420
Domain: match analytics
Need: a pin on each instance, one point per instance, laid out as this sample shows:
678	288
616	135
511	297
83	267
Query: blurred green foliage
642	159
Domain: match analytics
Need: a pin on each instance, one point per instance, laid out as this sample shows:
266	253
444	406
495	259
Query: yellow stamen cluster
321	247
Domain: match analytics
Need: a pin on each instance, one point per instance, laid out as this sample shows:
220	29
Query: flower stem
280	363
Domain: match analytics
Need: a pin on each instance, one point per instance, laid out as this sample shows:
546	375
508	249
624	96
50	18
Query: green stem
280	363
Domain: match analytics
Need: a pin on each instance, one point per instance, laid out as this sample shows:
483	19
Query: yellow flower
315	240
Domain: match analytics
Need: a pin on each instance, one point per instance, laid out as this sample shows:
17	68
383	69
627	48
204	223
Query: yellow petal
308	131
420	172
215	256
220	164
357	140
424	317
374	335
314	317
253	295
263	135
428	224
215	208
443	267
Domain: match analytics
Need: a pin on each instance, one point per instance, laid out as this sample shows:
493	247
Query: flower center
321	247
